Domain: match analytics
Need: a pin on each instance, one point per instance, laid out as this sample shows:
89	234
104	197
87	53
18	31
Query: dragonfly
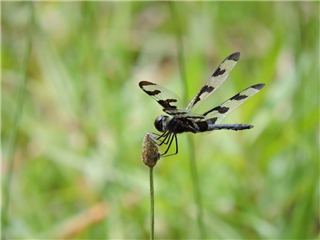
183	120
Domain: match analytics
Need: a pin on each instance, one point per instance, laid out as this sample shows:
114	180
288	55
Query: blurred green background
73	120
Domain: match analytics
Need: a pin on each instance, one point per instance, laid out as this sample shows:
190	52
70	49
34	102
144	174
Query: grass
83	119
192	157
12	140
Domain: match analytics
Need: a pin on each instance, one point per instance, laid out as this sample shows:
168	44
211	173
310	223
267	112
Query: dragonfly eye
160	123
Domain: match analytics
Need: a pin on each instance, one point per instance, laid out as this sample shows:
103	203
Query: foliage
77	169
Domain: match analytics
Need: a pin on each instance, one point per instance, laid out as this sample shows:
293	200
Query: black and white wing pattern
170	102
217	78
217	114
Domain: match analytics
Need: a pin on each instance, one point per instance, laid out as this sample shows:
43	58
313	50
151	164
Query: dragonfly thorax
180	125
175	125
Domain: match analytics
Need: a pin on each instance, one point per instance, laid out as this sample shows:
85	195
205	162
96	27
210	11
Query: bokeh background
73	119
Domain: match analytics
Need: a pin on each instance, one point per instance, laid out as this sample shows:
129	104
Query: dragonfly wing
170	102
214	82
217	114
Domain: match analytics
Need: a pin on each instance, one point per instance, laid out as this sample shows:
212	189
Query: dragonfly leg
176	139
165	138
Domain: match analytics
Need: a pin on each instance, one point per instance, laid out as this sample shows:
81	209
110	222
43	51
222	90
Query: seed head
150	150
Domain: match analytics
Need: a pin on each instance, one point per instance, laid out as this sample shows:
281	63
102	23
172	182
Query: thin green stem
16	121
152	203
196	188
179	44
192	157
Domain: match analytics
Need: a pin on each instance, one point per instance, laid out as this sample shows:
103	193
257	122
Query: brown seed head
150	150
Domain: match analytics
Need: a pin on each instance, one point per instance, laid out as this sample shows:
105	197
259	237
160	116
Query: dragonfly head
161	122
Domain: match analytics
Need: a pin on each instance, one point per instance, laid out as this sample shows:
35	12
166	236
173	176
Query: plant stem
192	158
152	203
196	186
180	51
